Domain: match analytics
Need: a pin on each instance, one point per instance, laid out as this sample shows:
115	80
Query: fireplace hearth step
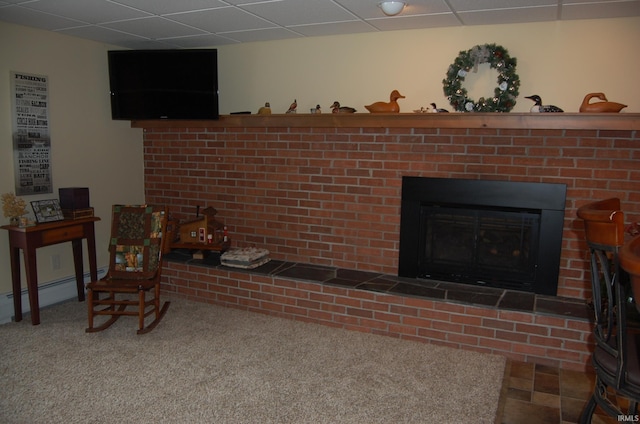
502	299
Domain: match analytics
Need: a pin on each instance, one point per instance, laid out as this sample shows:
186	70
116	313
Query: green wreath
504	95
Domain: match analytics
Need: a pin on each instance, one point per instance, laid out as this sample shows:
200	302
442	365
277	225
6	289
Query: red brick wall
331	196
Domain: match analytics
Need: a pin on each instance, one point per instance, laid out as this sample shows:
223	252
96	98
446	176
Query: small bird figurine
318	109
383	107
605	106
435	109
292	108
265	110
539	107
336	108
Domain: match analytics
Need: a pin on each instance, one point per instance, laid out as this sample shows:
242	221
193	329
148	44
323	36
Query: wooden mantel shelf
579	121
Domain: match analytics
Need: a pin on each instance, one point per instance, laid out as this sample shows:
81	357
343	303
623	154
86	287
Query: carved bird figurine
265	110
435	109
539	107
292	108
336	108
318	109
604	106
383	107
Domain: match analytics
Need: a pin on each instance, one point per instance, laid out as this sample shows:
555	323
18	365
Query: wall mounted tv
164	84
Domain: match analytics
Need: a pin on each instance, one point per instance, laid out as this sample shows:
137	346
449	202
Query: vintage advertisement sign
31	139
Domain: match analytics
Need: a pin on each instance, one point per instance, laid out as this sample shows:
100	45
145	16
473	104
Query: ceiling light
392	8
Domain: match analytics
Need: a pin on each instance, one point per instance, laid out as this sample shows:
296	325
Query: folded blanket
246	257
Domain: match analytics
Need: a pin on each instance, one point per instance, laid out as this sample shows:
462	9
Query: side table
30	238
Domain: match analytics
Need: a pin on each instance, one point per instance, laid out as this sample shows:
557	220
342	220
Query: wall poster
31	139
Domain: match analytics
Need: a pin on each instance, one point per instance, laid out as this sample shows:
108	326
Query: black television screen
164	84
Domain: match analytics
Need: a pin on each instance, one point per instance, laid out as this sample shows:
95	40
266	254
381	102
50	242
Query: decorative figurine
318	109
265	110
384	107
434	109
539	107
292	108
600	107
336	108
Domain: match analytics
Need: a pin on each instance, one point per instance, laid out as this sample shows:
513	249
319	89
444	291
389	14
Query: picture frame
47	210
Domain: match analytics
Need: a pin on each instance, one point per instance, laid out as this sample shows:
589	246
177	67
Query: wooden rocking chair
135	268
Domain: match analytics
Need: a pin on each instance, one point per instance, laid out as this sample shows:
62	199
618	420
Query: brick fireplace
326	190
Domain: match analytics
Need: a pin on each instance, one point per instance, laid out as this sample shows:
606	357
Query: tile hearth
431	289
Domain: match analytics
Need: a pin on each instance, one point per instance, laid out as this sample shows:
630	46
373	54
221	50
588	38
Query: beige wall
559	61
88	149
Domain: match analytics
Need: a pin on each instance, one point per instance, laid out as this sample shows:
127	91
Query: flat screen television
163	84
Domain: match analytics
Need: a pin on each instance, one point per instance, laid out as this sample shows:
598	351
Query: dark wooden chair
135	268
615	357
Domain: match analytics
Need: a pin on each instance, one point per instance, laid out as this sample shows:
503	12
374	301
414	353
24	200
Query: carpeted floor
206	364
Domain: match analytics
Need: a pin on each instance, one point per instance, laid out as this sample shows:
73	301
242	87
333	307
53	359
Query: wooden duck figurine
604	106
293	107
384	107
265	110
539	107
336	108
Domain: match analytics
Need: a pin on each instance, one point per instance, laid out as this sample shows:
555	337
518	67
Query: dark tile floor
538	394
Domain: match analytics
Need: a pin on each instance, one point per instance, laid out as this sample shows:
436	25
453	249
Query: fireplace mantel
564	121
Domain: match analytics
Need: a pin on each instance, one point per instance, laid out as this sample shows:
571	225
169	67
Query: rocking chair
135	268
616	355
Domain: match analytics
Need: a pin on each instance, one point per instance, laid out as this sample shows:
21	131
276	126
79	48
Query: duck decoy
336	108
318	109
539	107
604	106
292	108
265	110
435	109
387	107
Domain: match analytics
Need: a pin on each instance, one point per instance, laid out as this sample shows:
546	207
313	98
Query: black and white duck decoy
435	109
336	108
539	107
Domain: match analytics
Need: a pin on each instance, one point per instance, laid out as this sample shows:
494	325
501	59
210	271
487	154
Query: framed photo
47	210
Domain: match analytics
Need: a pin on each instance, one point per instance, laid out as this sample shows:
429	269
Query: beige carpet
208	364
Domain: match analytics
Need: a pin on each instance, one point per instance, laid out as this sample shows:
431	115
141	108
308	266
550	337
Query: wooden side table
30	238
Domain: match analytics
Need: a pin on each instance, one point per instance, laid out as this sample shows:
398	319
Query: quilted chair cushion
136	240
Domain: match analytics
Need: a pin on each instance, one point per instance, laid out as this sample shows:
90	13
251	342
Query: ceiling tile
92	11
367	9
163	7
261	35
33	18
334	28
601	10
466	5
296	12
98	33
520	15
222	20
415	22
154	28
199	41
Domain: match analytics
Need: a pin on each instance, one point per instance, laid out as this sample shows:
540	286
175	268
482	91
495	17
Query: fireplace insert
493	233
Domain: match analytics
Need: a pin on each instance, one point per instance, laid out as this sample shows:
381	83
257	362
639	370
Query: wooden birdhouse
204	229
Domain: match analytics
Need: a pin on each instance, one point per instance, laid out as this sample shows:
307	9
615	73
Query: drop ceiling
141	24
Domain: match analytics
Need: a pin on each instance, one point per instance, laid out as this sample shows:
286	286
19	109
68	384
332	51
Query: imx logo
629	418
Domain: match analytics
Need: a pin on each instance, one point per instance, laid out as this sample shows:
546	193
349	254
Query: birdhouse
204	229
